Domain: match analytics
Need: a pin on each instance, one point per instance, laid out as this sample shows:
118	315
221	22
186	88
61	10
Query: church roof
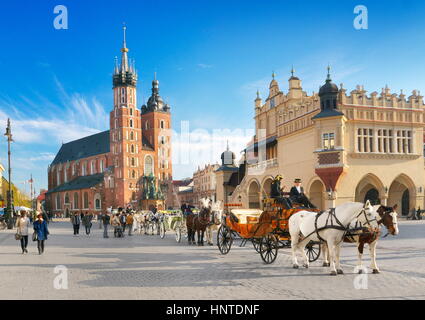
78	183
83	148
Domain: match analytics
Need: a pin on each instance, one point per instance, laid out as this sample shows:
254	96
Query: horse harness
332	222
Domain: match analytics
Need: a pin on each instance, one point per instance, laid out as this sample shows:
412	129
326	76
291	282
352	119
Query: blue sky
210	56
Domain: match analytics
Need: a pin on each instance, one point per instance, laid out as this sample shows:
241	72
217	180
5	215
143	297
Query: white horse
217	214
369	235
329	226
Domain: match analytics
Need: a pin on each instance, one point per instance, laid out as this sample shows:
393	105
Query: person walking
41	231
129	222
87	222
105	220
75	219
116	224
123	221
22	229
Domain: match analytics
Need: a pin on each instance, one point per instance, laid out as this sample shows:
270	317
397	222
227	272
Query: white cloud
77	116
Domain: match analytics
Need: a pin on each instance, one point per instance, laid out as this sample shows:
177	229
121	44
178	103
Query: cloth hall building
344	146
129	164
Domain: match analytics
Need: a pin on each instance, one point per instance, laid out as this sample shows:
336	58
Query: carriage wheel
313	250
256	244
162	230
269	246
224	239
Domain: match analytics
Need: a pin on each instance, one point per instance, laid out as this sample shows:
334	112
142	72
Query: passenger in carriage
277	193
297	195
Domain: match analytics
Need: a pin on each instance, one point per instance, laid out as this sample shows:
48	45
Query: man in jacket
297	195
75	219
105	220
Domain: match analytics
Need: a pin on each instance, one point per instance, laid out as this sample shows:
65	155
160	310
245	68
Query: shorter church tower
156	130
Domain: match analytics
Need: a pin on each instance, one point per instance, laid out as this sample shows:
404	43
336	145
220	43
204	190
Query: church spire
124	50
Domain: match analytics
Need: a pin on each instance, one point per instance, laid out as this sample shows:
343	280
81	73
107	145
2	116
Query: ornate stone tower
125	131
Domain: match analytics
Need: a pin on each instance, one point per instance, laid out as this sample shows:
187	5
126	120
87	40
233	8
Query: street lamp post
9	209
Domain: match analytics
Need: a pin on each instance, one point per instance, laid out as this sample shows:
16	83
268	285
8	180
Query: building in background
130	164
204	183
344	147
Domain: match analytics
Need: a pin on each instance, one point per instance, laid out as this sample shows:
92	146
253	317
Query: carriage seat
246	216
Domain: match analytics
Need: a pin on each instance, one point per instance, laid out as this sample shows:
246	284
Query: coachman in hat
297	195
277	192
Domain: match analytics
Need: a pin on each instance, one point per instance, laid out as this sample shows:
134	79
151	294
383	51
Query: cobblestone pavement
146	267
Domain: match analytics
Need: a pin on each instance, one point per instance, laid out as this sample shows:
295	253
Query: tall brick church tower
125	130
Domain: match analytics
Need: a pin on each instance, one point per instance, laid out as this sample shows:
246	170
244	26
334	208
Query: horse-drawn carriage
175	222
267	229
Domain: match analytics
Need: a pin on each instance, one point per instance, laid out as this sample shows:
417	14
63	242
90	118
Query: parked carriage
267	229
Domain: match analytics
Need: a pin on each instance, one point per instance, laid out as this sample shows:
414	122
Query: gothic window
102	166
133	162
73	169
116	123
97	202
65	175
131	111
75	200
83	169
133	174
162	124
58	177
131	123
86	200
132	148
58	202
131	135
92	168
146	125
148	165
122	95
66	200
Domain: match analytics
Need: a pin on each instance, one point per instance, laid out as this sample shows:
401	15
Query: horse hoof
210	244
376	271
326	264
340	271
305	266
333	273
360	271
295	266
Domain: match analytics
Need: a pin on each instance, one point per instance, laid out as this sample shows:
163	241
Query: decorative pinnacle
124	48
329	72
258	94
292	70
273	75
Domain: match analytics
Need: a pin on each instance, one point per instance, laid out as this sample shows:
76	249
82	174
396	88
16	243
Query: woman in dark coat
40	228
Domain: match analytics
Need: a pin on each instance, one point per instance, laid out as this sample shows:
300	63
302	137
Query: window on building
328	141
272	103
102	165
93	167
73	169
162	125
131	123
86	201
133	162
131	111
75	200
83	169
385	141
404	141
58	177
66	199
148	166
58	202
131	135
365	138
132	148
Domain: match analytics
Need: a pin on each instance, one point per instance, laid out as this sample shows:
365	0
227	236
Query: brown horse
199	222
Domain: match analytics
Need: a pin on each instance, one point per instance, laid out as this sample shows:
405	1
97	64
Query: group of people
119	221
82	218
40	231
295	195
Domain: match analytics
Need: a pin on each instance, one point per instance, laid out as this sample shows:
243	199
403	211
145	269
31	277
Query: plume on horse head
206	203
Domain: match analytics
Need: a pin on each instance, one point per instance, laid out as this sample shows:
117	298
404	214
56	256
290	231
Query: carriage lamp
386	189
420	189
